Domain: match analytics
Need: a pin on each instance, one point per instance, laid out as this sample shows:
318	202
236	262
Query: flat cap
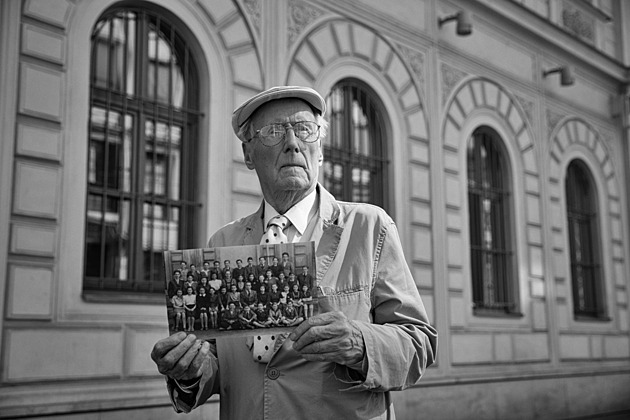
247	108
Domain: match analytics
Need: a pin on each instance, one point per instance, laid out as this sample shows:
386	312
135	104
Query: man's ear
320	159
247	156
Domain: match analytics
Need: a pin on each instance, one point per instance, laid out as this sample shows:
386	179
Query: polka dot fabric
275	231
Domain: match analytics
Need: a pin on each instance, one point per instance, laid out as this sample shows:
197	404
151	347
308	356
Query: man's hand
181	356
329	337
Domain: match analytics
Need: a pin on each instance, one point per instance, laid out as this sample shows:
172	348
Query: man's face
291	165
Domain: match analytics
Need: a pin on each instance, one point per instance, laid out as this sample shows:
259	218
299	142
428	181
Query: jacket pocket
354	304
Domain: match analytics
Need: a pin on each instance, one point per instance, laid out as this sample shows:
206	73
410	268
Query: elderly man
371	335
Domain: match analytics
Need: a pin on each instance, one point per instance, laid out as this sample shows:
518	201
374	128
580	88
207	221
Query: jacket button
273	373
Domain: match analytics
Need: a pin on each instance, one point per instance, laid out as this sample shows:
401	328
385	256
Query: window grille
142	150
583	242
491	255
355	163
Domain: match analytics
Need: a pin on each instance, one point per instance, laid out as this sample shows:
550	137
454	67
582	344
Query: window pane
162	159
107	237
109	162
114	53
165	81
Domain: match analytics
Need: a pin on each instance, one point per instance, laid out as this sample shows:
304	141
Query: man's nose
291	142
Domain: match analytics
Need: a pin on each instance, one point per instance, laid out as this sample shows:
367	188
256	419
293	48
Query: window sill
102	296
494	314
584	318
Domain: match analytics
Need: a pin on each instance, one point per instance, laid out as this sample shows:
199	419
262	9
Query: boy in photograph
229	318
291	317
286	264
262	317
275	315
246	318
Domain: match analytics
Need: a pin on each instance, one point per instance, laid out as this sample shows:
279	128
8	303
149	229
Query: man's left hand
329	337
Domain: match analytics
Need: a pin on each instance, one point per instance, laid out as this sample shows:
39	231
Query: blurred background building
494	132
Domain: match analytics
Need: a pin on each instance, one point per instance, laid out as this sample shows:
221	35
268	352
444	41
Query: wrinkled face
291	165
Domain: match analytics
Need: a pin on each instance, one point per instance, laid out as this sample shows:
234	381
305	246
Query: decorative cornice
301	14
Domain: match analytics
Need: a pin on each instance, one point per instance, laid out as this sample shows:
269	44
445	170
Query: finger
332	345
320	333
317	320
184	362
196	366
165	345
167	362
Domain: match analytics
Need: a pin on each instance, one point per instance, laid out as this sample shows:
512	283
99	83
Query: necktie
275	231
264	344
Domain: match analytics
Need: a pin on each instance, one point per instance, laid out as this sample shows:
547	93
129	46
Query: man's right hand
180	356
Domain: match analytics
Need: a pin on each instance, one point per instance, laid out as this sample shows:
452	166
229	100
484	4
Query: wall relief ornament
528	107
450	78
253	9
553	118
301	14
415	60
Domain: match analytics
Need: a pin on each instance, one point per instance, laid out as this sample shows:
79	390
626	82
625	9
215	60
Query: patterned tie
264	344
275	231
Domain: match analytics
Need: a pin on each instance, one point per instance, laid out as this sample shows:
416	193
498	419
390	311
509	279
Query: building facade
498	142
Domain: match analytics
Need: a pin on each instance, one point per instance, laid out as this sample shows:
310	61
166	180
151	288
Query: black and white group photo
210	291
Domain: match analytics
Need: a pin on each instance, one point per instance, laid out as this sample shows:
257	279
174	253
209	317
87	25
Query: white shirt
299	215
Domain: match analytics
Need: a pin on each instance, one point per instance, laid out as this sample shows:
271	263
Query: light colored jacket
362	272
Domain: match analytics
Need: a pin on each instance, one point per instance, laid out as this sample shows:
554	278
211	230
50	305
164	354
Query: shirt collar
299	214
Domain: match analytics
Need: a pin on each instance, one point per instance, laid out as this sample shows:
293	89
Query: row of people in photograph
236	310
267	279
285	266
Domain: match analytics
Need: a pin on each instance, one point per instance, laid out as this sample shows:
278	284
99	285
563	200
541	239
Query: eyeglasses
272	134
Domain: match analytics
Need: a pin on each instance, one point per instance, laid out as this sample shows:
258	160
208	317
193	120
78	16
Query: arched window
142	149
494	277
355	153
584	239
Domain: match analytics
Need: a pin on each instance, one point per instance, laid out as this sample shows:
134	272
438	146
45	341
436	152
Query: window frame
343	154
511	307
188	116
592	215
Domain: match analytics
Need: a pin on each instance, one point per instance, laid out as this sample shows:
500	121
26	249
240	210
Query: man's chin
293	183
